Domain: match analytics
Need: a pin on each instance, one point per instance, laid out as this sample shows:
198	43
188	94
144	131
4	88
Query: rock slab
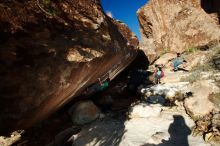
176	25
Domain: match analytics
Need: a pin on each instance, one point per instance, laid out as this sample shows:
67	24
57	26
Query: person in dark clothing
97	87
103	85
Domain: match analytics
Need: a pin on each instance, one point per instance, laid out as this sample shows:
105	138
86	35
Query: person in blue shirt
177	62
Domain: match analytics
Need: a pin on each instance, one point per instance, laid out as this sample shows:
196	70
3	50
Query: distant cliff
176	25
50	51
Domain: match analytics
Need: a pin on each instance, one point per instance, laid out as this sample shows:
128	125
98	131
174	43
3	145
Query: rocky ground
49	55
168	114
183	110
180	111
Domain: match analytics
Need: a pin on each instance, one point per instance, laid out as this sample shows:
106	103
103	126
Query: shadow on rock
106	132
178	131
211	6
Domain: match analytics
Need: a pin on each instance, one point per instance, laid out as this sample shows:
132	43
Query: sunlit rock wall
177	25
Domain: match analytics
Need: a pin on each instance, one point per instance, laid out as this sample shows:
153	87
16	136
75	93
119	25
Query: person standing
158	74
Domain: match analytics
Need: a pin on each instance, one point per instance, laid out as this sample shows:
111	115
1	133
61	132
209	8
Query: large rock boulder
176	26
49	53
84	112
200	105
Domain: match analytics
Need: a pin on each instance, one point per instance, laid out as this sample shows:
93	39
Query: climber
177	61
97	87
158	73
103	85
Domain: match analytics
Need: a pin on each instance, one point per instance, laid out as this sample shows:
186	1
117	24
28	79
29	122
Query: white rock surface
172	127
152	124
169	127
164	59
145	111
170	91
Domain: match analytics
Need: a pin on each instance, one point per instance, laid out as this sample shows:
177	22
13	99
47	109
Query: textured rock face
176	25
195	105
51	50
216	61
211	7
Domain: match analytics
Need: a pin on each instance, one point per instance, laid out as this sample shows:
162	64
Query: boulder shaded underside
51	51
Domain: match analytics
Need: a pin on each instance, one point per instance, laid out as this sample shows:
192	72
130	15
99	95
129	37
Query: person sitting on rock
177	61
158	73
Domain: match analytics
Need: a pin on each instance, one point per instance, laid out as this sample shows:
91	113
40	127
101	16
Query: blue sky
125	10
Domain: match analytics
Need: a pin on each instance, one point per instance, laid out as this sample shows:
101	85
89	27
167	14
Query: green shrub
204	67
192	50
196	72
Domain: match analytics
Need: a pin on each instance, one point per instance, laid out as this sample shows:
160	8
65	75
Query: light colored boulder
144	111
169	91
84	112
199	105
175	26
164	59
14	137
195	59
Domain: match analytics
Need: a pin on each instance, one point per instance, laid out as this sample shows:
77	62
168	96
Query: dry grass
215	98
195	73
